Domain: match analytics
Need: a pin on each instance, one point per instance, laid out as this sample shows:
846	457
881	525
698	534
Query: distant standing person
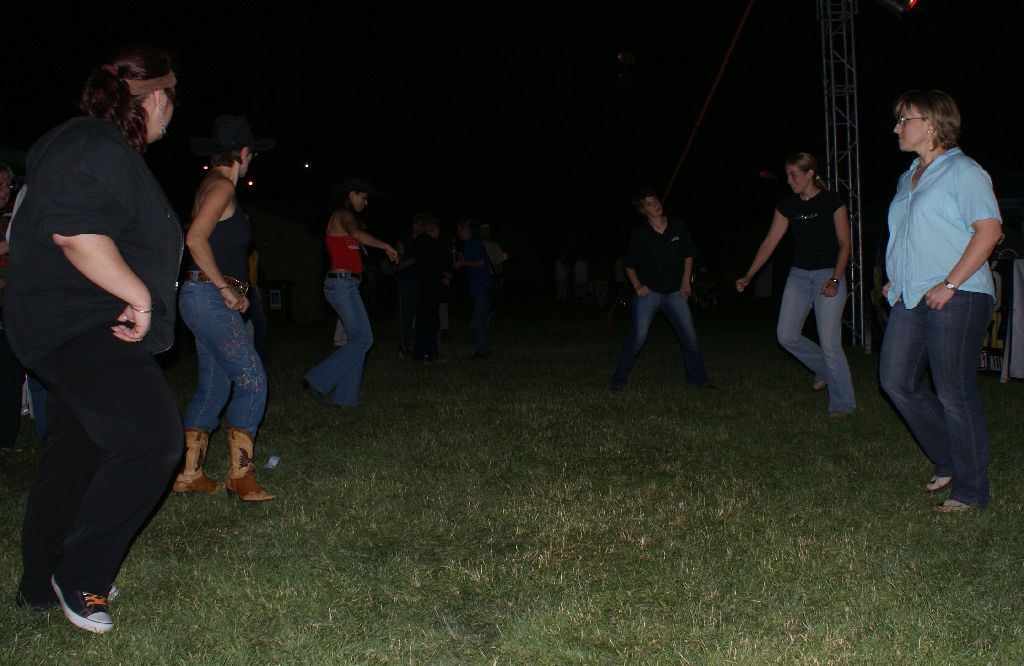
943	224
341	373
561	279
407	287
659	263
430	277
90	298
495	253
820	226
474	259
580	281
213	300
12	375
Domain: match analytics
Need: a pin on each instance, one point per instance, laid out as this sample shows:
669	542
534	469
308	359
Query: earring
163	130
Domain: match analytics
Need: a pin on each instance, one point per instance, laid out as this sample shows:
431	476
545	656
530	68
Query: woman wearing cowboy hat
212	301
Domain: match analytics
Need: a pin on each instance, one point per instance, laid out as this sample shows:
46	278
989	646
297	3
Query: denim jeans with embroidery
230	370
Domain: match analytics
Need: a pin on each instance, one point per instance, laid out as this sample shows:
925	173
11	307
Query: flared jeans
342	371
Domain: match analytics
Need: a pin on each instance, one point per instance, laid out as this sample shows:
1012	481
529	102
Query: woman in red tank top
342	372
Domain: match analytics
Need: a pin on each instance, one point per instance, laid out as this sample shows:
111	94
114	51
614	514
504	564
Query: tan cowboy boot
241	483
191	478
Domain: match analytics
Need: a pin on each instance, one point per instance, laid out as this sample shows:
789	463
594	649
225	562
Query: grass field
514	511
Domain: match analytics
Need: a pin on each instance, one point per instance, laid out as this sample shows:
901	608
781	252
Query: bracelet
141	310
833	280
227	286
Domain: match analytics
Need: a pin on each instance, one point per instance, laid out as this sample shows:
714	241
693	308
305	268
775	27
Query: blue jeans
677	311
342	371
38	393
947	422
827	360
229	366
480	323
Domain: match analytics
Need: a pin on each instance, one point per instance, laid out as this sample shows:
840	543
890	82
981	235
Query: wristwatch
950	285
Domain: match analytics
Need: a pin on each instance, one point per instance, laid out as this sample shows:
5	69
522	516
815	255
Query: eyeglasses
902	120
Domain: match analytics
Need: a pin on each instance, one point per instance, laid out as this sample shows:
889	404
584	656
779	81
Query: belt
343	274
238	285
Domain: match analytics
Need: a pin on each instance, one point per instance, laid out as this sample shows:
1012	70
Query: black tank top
230	243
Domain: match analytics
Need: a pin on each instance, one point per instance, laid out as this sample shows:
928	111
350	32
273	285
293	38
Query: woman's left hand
937	297
141	322
830	288
236	301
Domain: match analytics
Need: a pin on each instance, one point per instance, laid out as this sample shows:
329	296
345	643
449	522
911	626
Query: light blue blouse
930	226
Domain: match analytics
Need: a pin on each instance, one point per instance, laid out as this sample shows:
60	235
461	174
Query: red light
898	7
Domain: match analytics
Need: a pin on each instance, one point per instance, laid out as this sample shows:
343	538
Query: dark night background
522	115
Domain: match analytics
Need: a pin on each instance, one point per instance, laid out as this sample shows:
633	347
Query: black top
429	262
658	258
815	245
84	178
230	241
408	274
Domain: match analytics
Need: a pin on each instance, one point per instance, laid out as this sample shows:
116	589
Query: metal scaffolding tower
842	143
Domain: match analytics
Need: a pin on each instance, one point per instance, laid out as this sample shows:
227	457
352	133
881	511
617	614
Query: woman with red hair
90	298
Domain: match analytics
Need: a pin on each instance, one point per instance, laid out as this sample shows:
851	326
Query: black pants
428	323
114	439
12	376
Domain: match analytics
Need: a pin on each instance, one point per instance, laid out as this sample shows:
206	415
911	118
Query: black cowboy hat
354	185
229	133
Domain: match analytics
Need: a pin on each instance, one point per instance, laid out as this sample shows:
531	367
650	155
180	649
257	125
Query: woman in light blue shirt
943	223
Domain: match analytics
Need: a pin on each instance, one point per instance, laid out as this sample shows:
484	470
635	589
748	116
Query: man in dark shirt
429	264
481	279
407	286
658	264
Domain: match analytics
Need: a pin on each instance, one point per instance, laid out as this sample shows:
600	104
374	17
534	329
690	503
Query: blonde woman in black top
820	226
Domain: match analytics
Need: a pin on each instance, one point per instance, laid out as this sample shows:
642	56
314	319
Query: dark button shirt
480	277
658	258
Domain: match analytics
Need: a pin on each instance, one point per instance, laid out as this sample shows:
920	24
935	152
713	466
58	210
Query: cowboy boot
191	478
241	482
